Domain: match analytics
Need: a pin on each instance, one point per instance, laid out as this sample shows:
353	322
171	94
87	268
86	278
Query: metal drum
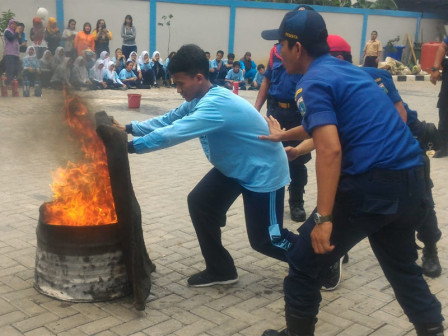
80	263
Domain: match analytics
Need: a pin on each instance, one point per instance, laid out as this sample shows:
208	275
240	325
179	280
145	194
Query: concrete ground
33	143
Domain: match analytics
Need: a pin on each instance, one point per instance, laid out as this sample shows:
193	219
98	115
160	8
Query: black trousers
208	204
385	206
370	61
290	118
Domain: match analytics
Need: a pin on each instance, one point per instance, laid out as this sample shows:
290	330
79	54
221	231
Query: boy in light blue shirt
227	127
235	75
258	79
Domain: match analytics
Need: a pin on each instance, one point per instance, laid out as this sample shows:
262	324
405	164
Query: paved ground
33	142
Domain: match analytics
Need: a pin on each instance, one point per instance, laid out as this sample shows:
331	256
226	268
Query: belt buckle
283	105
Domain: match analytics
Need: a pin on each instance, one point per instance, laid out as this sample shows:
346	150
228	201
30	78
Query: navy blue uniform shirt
282	86
384	79
371	132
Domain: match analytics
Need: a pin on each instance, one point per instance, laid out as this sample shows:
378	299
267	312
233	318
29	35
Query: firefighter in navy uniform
278	89
370	178
426	133
441	62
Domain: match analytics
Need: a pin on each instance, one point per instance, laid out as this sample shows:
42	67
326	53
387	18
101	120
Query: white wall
429	30
206	26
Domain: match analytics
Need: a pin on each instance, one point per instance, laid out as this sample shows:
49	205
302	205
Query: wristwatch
433	69
319	219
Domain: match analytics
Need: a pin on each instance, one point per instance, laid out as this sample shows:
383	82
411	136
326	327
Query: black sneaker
204	279
331	281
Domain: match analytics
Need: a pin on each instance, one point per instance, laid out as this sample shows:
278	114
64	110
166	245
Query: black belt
385	175
283	104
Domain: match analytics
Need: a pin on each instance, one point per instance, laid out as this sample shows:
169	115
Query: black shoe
204	279
433	329
173	85
345	259
430	262
156	85
271	332
298	213
333	277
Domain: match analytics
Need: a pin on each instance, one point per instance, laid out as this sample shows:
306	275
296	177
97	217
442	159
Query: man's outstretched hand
275	130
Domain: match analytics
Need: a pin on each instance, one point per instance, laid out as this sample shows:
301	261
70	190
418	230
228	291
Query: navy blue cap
305	26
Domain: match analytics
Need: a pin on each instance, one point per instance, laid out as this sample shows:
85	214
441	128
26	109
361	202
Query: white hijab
141	59
154	56
111	73
98	74
136	65
106	60
81	68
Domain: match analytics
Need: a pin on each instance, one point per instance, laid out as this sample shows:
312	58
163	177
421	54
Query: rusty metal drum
80	263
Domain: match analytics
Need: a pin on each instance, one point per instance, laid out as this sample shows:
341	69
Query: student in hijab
157	67
104	56
52	35
84	40
11	58
59	56
31	66
68	37
136	68
111	78
37	33
80	76
46	64
61	75
146	69
102	36
119	59
96	76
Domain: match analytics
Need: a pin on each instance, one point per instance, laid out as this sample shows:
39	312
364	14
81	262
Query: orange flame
82	194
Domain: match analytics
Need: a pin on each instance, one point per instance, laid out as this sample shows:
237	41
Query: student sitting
258	79
146	69
157	67
248	66
119	60
168	80
235	76
136	67
111	78
31	66
128	77
96	76
218	70
80	76
46	64
229	61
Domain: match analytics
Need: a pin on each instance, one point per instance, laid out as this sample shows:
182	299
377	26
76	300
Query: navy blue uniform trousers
386	207
208	204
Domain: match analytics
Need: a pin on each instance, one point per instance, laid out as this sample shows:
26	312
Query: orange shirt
84	41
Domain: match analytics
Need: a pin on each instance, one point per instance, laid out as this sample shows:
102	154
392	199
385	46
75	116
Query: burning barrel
80	263
90	244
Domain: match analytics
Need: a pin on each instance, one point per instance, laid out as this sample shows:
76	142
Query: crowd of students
82	59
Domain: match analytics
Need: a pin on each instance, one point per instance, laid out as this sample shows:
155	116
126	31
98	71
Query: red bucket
134	100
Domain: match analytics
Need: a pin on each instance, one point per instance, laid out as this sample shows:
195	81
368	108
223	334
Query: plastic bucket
396	55
134	100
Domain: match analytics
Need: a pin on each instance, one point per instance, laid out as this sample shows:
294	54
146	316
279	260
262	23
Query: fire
82	194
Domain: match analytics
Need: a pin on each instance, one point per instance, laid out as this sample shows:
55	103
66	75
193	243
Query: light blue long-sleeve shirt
235	76
124	74
228	127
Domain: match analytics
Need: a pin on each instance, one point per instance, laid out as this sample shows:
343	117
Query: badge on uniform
301	106
381	85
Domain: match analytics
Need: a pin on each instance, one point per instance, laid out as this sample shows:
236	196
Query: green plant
390	45
167	22
4	19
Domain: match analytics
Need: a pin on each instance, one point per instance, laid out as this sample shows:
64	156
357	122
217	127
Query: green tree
4	20
167	22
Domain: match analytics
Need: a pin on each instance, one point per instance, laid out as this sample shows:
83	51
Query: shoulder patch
301	106
299	91
378	79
